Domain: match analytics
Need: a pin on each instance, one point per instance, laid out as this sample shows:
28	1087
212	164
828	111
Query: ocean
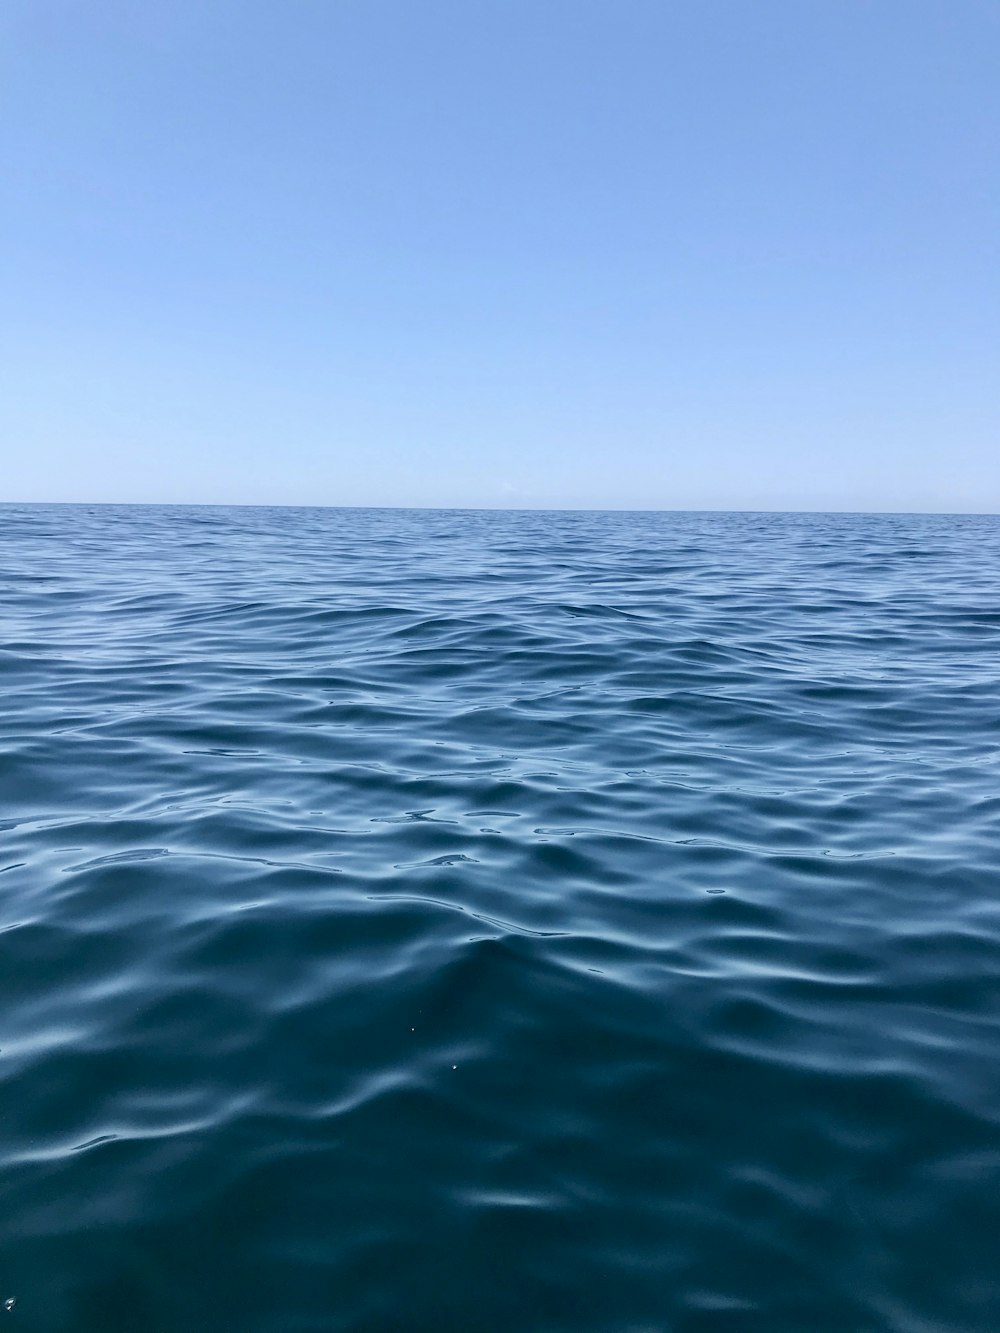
498	922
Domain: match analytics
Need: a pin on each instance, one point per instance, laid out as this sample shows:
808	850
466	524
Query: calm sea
470	922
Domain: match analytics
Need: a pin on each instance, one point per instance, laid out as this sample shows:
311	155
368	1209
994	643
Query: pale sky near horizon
717	254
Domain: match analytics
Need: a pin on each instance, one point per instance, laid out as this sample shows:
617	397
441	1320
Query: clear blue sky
558	253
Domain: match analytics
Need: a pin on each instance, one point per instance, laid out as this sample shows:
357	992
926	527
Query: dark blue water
499	922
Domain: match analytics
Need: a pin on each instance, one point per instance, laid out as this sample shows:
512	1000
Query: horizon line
493	509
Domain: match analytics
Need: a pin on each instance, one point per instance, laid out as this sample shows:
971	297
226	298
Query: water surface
498	922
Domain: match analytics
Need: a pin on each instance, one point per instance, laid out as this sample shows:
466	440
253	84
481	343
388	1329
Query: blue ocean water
496	922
